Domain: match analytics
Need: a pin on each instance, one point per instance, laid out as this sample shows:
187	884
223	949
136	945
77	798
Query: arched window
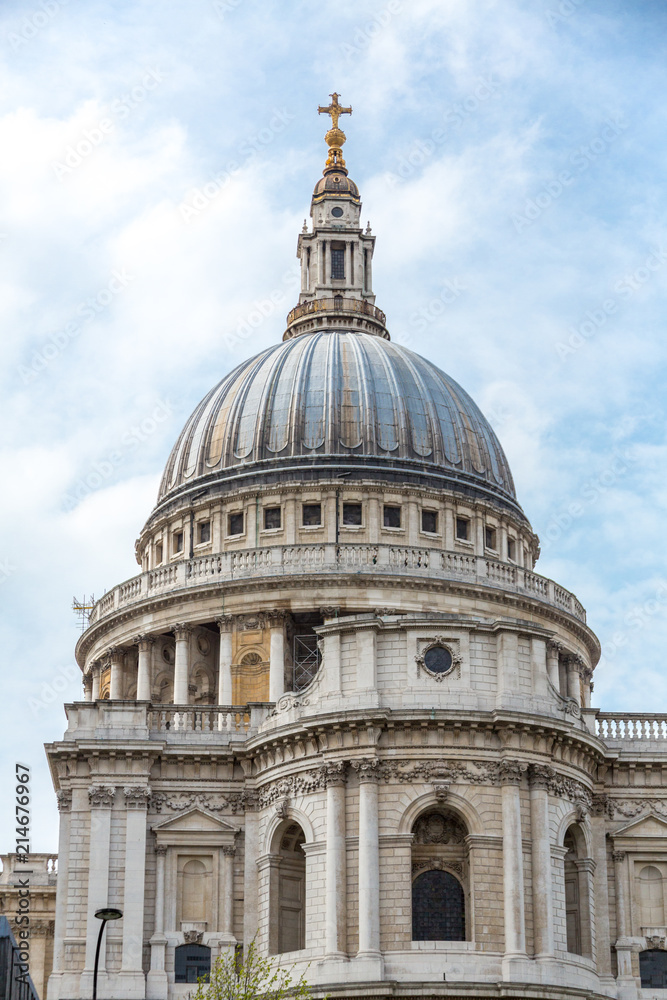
651	897
193	895
288	890
192	962
653	968
438	907
577	874
439	869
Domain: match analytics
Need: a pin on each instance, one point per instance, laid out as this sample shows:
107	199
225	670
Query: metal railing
296	560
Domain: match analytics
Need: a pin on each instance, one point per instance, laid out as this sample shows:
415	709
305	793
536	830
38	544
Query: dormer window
338	261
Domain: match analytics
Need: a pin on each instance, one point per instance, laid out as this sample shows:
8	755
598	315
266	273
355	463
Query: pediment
645	826
195	820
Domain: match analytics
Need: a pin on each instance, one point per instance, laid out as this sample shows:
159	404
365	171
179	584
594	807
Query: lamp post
106	913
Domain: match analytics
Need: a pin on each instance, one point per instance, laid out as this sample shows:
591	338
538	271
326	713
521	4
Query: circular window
438	660
337	212
168	654
203	645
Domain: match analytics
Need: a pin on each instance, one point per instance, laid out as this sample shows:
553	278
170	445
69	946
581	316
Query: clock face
337	212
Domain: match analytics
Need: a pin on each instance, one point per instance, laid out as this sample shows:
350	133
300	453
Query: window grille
438	907
306	660
191	961
653	968
337	263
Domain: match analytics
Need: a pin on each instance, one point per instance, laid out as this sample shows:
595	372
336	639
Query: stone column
62	885
277	656
515	925
181	663
336	862
101	799
543	921
225	696
553	651
227	900
623	948
95	673
145	644
369	859
250	870
136	802
599	814
116	687
156	981
585	871
87	687
573	683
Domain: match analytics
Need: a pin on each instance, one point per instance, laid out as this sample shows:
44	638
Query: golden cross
335	110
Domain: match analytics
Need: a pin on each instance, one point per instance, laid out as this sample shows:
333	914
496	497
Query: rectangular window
511	549
462	528
392	517
204	531
490	538
178	541
430	521
311	515
352	513
272	517
158	553
235	525
337	261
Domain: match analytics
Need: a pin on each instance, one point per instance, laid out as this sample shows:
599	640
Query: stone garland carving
101	796
630	808
227	802
457	867
287	788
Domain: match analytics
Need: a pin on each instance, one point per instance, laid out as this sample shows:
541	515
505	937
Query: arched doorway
439	877
577	872
288	892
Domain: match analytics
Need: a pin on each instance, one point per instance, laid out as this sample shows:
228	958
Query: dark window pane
511	549
351	513
337	263
235	524
653	968
462	527
438	659
178	541
312	514
272	517
438	908
429	521
337	212
392	517
205	531
191	961
490	538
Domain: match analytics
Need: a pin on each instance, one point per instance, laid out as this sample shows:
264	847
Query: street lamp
106	913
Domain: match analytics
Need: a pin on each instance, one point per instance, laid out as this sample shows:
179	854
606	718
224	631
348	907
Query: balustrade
630	726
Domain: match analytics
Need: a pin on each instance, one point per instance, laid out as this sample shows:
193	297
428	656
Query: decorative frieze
287	788
232	802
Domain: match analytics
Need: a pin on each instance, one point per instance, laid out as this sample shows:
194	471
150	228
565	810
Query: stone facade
338	713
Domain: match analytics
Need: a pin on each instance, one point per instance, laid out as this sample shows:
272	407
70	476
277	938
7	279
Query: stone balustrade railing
295	560
200	719
630	726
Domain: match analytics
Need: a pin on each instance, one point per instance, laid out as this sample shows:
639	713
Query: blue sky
157	163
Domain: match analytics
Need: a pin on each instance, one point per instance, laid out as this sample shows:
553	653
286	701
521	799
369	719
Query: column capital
181	630
277	617
64	797
225	622
618	857
229	850
136	796
541	776
161	850
367	768
554	647
144	641
601	805
95	667
333	772
101	796
512	771
116	653
87	682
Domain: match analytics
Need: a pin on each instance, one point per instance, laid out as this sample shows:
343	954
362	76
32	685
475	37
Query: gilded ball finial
335	137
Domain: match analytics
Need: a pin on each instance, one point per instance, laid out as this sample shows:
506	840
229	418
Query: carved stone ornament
656	941
290	701
232	802
225	622
618	856
436	642
441	790
64	797
292	787
512	771
334	772
333	612
455	867
367	768
193	937
101	796
229	850
541	776
571	708
282	808
630	808
144	641
554	647
137	796
161	850
438	828
601	805
181	630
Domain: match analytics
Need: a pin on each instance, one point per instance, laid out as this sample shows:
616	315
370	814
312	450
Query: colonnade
115	660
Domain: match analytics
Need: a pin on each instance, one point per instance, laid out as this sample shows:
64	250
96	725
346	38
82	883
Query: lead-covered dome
338	404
